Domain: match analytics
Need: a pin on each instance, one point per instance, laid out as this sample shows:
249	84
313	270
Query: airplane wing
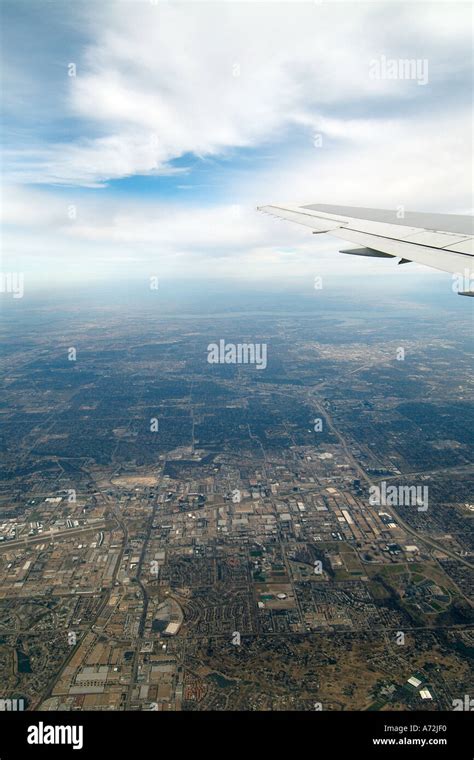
441	241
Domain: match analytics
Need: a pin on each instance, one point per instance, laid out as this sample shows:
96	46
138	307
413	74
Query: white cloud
159	81
110	239
424	165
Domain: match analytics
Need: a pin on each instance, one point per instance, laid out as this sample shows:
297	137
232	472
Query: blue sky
182	117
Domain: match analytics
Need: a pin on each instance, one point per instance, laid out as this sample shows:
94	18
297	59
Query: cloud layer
274	99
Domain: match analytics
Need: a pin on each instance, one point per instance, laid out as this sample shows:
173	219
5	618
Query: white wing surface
441	241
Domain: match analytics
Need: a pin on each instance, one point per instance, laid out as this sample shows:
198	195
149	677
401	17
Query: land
180	535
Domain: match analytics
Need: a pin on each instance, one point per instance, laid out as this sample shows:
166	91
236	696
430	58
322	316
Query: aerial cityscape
178	534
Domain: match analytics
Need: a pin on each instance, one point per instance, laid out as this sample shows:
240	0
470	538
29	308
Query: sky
140	135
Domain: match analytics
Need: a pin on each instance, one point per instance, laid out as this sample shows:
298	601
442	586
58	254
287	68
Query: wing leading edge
441	241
